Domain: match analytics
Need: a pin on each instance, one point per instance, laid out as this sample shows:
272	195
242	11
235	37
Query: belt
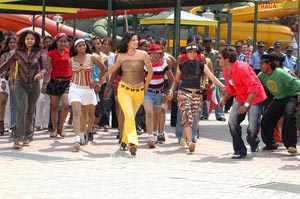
131	89
155	91
61	79
192	91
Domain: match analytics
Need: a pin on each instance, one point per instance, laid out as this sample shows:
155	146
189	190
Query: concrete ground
48	169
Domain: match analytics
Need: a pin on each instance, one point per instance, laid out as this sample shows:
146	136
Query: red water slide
15	22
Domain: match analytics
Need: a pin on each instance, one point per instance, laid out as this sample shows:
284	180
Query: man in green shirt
285	89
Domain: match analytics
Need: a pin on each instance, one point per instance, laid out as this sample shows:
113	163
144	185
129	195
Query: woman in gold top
133	84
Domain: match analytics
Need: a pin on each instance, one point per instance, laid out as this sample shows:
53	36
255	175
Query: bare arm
112	69
102	67
149	70
212	77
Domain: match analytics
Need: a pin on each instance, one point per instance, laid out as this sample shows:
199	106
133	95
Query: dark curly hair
22	36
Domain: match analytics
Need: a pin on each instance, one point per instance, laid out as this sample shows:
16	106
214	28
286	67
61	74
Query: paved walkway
49	169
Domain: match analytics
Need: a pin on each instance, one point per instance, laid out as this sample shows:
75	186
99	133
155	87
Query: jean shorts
156	98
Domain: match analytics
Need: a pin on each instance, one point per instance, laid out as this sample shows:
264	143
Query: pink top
243	81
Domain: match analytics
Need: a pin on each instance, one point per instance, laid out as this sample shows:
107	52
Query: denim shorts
154	97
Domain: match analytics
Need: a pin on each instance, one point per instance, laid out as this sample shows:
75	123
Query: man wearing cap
238	47
277	47
242	82
285	89
255	59
247	49
290	60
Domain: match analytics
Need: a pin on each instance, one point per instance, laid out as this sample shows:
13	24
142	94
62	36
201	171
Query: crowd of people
46	79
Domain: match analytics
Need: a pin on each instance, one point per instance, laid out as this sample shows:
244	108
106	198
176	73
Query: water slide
266	32
15	22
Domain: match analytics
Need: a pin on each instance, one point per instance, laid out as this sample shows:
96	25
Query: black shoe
237	156
118	135
254	148
270	148
203	118
161	137
223	119
90	136
123	147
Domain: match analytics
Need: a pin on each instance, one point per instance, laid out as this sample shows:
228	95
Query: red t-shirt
60	63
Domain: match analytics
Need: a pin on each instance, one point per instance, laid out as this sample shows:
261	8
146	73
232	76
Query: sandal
53	134
27	143
192	146
132	150
17	145
62	133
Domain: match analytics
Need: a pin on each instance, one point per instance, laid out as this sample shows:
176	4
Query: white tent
186	19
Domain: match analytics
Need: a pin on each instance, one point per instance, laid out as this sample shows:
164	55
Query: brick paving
49	169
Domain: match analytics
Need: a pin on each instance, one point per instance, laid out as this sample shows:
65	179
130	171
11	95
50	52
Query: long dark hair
123	45
22	36
7	43
73	52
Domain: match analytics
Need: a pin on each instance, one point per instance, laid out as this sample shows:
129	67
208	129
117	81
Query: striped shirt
159	69
82	73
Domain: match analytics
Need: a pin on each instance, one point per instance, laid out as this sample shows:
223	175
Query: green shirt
281	84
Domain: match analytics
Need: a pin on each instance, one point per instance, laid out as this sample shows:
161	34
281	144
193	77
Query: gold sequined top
133	71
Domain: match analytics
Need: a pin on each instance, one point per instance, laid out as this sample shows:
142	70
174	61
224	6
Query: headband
78	40
59	35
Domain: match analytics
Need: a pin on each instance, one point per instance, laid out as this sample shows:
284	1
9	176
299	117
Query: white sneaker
292	150
151	141
183	143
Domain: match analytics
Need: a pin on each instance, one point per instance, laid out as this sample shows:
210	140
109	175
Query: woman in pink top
58	86
82	97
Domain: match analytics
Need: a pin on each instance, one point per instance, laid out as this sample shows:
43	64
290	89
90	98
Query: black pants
286	107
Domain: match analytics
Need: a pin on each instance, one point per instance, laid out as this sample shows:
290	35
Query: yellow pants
130	100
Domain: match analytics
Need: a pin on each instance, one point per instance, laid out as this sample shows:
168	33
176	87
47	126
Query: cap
277	43
238	43
59	35
154	48
271	48
2	80
207	39
249	39
289	48
191	46
267	57
142	41
261	43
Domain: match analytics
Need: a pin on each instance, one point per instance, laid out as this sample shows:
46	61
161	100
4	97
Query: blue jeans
235	119
27	95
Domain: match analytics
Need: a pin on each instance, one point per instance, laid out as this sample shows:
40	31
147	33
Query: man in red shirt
242	82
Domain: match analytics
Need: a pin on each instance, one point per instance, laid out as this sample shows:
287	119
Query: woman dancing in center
133	84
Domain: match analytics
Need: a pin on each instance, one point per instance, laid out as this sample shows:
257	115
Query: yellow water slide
265	32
